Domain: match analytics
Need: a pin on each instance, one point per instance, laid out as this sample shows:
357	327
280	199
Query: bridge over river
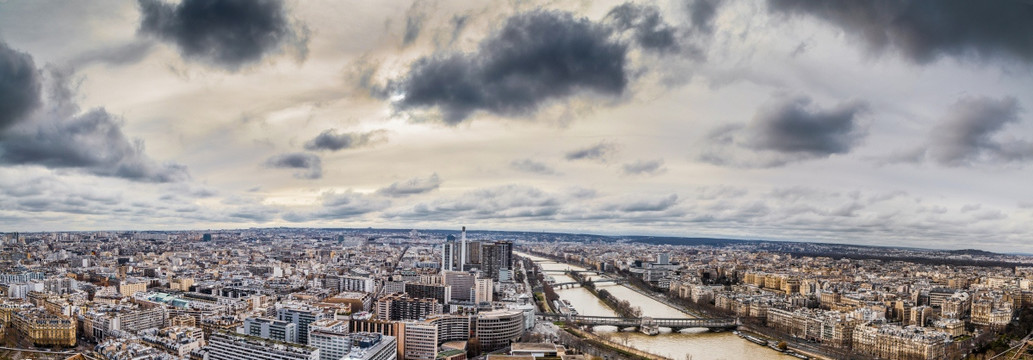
644	322
572	284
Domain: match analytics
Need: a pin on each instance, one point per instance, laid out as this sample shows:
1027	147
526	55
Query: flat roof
533	347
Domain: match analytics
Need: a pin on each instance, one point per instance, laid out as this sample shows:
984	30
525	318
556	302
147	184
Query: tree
473	348
782	345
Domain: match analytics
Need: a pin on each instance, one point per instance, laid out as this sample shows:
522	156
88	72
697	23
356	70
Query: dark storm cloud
63	137
535	57
648	26
227	33
795	126
92	141
787	130
599	152
701	13
971	134
19	86
412	186
311	163
925	30
531	166
331	140
644	167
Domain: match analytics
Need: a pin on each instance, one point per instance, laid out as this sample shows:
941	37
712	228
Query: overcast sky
876	122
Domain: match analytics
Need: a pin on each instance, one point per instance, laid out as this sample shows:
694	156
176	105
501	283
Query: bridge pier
650	330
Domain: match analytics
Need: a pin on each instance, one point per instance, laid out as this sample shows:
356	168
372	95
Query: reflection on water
695	344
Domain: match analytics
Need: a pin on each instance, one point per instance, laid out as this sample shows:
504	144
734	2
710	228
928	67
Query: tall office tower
301	315
449	255
663	259
497	259
462	250
473	253
484	291
224	345
271	329
462	284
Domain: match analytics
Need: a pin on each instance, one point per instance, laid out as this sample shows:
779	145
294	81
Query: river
694	344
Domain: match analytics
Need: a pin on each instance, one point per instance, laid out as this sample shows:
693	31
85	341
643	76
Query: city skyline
889	124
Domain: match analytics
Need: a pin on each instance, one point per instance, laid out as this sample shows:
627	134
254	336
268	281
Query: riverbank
697	344
599	340
665	301
621	307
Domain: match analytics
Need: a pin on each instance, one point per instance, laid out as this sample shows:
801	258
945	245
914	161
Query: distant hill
973	252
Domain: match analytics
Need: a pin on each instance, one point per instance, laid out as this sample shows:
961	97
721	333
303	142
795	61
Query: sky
903	123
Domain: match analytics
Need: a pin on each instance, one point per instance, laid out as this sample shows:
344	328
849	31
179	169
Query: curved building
452	327
496	329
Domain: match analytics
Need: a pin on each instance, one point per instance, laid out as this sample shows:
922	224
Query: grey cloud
788	130
509	201
640	205
19	86
971	133
412	186
458	25
46	193
226	33
968	133
337	206
256	213
794	126
413	22
701	13
650	30
534	58
644	167
599	152
311	163
531	166
331	140
925	30
578	192
62	137
124	54
60	198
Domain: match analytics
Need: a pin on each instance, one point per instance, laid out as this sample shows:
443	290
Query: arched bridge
572	284
591	272
674	324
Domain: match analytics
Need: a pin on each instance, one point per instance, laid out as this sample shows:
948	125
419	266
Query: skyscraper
462	250
496	258
449	255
